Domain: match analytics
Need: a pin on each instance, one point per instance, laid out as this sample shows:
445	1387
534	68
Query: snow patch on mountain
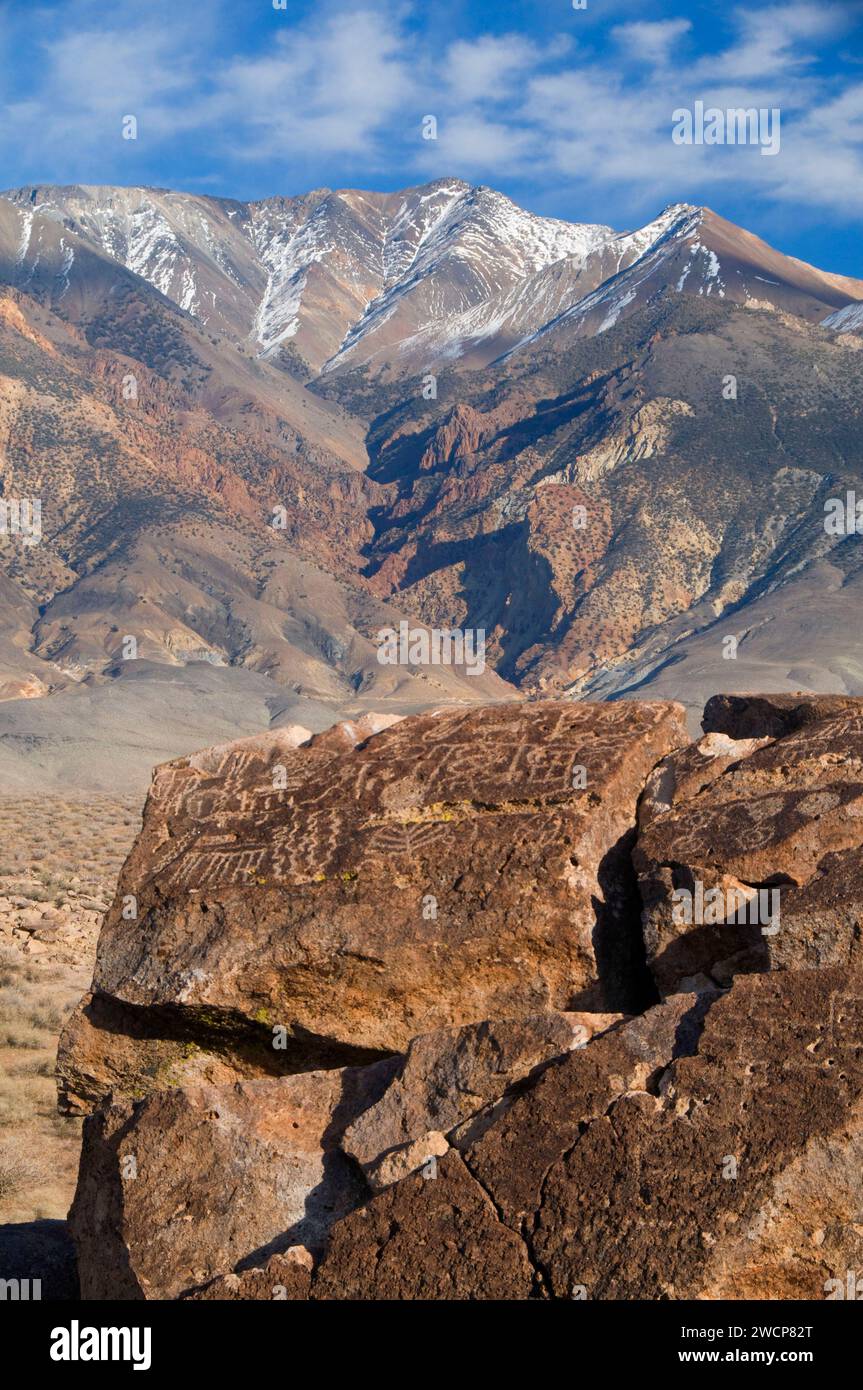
615	311
286	251
642	254
710	273
26	233
851	317
66	264
152	249
675	222
435	273
463	262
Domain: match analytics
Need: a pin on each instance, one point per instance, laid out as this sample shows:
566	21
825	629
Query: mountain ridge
462	380
335	279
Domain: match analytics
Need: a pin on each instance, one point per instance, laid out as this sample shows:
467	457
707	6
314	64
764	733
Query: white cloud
603	126
483	69
651	41
331	86
779	38
340	87
473	146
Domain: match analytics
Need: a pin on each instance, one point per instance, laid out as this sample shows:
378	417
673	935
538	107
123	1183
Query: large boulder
773	716
193	1184
749	854
372	1017
712	1148
339	899
205	1191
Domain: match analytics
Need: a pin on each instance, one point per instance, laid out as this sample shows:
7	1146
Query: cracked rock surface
448	1076
191	1183
457	866
709	1150
526	1113
786	816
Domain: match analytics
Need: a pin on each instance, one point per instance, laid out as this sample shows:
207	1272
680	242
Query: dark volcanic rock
186	1193
447	1077
710	1150
447	891
772	716
514	1156
741	1176
412	1236
283	1278
458	866
426	1238
688	771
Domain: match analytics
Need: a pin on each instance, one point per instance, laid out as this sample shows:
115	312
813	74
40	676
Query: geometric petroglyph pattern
425	782
304	894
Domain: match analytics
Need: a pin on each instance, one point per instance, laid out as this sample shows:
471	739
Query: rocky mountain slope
263	434
613	505
336	280
327	279
190	501
528	1075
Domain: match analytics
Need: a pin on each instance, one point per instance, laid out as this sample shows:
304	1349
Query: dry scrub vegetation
59	861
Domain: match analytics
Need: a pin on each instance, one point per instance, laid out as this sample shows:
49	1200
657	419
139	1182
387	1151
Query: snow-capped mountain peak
336	276
442	272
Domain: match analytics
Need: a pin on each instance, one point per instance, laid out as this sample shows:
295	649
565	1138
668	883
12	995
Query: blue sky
568	111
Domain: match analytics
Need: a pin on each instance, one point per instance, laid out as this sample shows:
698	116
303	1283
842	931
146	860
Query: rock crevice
426	1020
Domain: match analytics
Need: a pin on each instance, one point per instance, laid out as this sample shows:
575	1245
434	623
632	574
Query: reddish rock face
283	1278
682	775
513	1156
756	864
450	1075
454	867
427	1238
195	1184
739	1177
710	1149
452	889
187	1193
